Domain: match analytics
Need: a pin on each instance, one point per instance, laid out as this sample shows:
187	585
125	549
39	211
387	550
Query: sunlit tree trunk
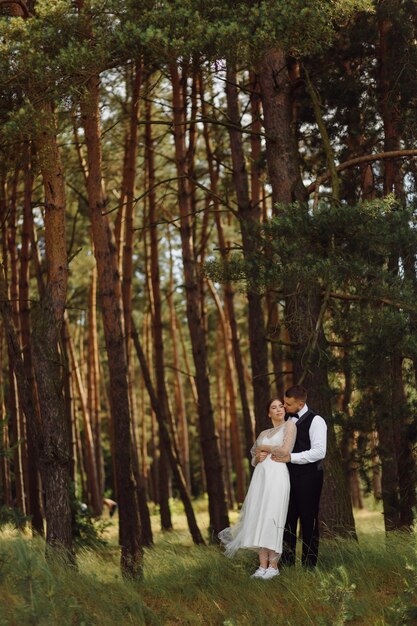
93	394
249	219
110	298
231	394
209	444
47	318
95	496
182	424
228	290
170	450
156	312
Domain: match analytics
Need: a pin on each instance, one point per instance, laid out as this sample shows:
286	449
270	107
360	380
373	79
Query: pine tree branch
367	158
388	301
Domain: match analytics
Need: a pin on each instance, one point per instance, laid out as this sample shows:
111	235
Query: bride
264	511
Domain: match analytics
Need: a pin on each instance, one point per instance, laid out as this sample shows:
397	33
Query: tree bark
34	487
228	290
93	383
157	325
230	391
249	219
166	439
208	437
281	149
95	498
47	318
110	298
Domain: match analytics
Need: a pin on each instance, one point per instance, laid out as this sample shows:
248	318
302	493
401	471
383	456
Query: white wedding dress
264	511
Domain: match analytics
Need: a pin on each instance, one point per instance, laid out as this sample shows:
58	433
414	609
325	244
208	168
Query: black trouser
304	506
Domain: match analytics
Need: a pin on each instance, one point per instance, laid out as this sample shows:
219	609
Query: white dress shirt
318	440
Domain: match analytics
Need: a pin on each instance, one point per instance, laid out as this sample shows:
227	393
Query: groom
306	477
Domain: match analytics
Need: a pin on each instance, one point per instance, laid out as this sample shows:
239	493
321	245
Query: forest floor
365	583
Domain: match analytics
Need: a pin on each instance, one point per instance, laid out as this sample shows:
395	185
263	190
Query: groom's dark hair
298	392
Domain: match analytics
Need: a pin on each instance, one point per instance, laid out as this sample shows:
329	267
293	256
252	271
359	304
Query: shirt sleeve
318	440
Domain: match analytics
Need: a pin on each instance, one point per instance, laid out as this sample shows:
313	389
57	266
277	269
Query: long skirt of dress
264	511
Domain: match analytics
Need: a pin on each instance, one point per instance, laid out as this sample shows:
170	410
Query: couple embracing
285	488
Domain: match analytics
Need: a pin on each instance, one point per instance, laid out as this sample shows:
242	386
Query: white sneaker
270	573
259	572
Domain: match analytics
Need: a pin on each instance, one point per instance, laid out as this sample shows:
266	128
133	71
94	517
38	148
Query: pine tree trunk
110	298
310	369
209	444
4	438
47	318
228	290
404	446
281	151
230	387
34	488
182	424
158	342
95	496
249	219
93	382
166	440
222	427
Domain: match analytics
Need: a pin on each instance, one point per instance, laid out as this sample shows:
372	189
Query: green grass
366	583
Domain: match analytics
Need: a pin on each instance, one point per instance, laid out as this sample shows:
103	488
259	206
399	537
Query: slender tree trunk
34	487
222	428
388	100
110	298
348	442
230	387
228	291
169	447
95	497
209	444
4	439
16	416
249	219
69	408
157	324
47	318
376	465
404	446
389	471
93	374
182	424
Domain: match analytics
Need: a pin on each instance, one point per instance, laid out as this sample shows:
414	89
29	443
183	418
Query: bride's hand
260	456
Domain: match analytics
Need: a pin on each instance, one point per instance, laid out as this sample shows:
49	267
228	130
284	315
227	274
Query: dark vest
302	443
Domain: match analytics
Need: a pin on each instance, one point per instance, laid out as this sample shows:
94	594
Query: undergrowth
370	582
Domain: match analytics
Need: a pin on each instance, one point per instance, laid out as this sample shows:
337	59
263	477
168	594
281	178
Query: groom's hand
281	459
